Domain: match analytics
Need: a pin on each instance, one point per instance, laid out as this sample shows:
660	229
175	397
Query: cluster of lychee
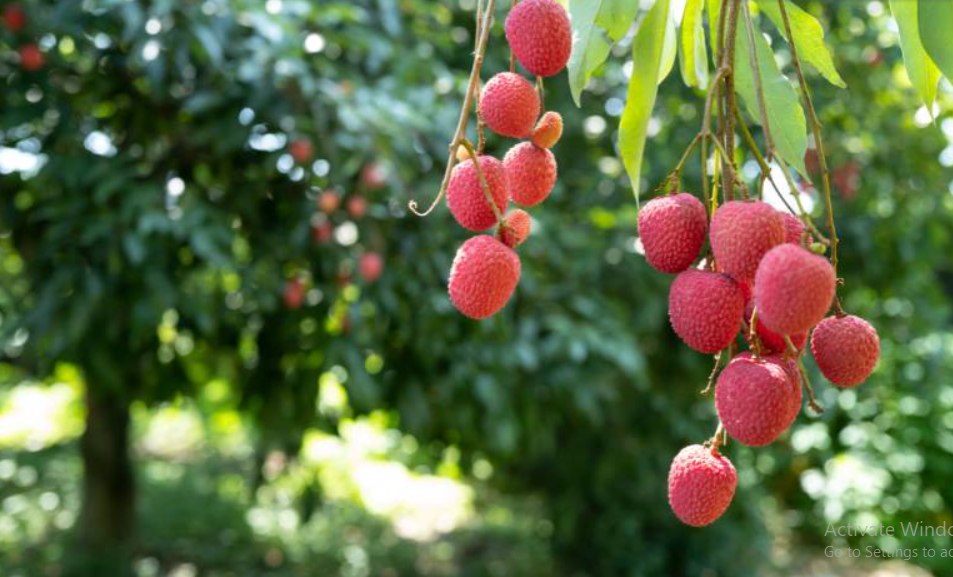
763	281
486	269
15	20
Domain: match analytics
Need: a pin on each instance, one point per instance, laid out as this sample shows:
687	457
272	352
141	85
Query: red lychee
793	228
754	399
705	309
793	289
701	484
329	201
484	274
465	195
31	58
371	265
509	105
357	206
295	291
794	380
301	149
846	349
540	36
672	229
321	233
14	18
530	173
374	176
770	340
548	130
515	229
741	233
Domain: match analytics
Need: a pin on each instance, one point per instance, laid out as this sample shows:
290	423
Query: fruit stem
714	370
484	26
753	333
816	130
718	439
483	183
729	94
811	398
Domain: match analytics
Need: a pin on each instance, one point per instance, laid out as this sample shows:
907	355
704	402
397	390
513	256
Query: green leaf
782	108
669	49
647	51
923	73
595	24
693	56
808	37
936	31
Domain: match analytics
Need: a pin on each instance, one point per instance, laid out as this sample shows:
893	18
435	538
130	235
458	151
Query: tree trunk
108	512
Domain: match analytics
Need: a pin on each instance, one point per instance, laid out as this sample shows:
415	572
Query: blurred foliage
158	219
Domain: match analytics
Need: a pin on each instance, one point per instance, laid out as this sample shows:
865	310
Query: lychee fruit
374	176
31	58
321	233
771	341
701	484
509	105
705	309
672	229
793	228
294	294
548	130
357	206
846	349
741	233
754	399
465	195
329	201
484	274
370	265
515	229
540	36
14	18
530	173
302	151
794	379
793	289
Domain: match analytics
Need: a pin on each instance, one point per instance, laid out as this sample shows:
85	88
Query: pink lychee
701	484
705	309
672	229
846	349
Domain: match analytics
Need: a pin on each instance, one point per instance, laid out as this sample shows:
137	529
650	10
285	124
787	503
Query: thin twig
460	132
729	93
483	183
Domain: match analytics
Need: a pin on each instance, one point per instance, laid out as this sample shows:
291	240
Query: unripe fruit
548	130
371	265
705	309
754	399
14	18
672	229
515	229
771	341
741	233
793	289
530	173
701	484
846	349
540	36
509	105
31	58
465	196
483	276
793	228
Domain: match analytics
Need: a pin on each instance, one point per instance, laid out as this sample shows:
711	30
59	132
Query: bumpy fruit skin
509	105
483	276
794	381
771	341
846	349
530	173
705	309
793	228
701	484
741	233
540	36
754	399
465	195
672	229
548	130
515	229
793	289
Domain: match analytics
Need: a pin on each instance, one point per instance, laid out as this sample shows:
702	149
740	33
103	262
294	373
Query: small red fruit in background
701	484
373	176
329	201
321	233
295	291
14	18
371	265
302	151
31	58
847	179
357	206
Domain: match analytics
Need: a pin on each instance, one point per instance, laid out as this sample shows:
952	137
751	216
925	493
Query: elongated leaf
936	32
783	110
669	49
693	56
595	24
643	88
923	73
808	37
